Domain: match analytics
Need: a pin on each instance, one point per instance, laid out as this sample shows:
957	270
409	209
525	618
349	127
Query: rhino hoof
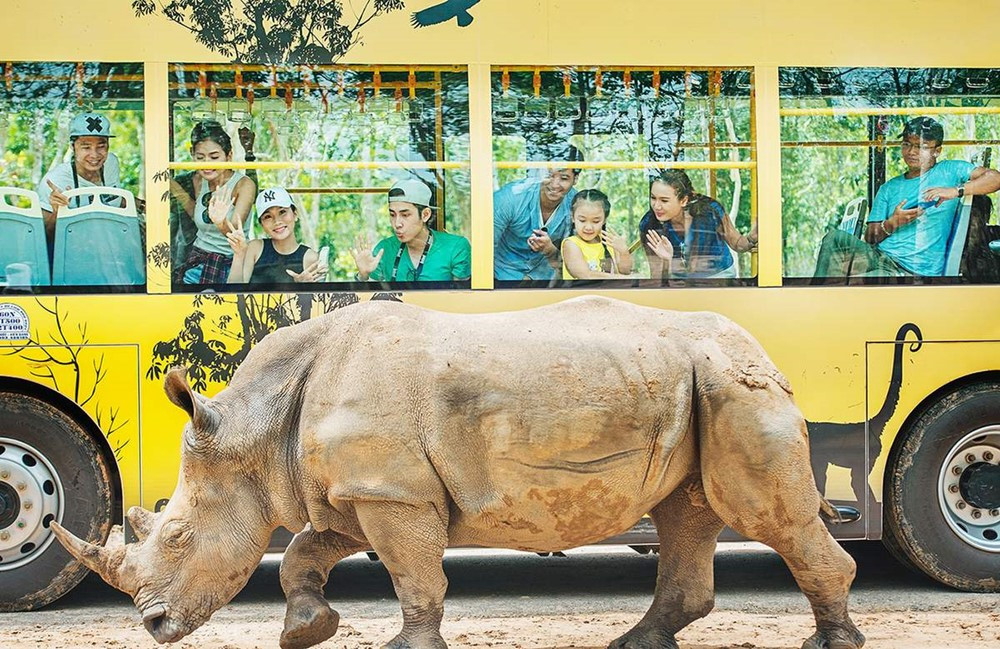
642	637
309	621
847	637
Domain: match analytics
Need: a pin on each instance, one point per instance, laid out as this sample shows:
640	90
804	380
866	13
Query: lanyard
420	264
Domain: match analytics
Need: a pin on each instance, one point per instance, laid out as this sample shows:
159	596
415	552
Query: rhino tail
828	512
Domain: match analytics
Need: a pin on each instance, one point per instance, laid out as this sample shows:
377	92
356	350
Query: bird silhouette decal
445	11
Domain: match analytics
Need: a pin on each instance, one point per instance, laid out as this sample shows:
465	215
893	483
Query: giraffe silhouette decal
445	11
831	442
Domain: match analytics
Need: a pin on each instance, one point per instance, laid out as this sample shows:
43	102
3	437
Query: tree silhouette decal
271	31
206	346
64	348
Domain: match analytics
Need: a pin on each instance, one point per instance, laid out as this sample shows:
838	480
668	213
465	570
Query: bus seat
855	213
22	240
98	244
956	240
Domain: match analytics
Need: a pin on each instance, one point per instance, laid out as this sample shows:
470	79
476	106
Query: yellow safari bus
179	178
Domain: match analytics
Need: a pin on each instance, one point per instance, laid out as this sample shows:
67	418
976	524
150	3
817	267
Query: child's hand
362	253
660	246
218	208
614	241
237	240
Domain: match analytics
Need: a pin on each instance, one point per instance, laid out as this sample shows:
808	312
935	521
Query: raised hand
220	205
237	240
314	273
362	253
615	241
247	138
660	246
57	199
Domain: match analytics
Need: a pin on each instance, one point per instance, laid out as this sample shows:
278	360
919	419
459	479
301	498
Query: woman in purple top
687	234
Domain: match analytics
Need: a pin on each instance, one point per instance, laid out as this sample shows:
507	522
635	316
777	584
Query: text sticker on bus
13	322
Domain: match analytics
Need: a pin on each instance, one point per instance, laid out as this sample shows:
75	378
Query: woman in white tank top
221	195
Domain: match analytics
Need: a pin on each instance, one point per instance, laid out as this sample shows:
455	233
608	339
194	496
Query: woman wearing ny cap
92	165
416	253
280	258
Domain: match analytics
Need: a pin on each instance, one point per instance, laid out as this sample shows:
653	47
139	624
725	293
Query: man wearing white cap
279	258
416	253
92	165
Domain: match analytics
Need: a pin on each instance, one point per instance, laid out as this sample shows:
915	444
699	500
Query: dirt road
513	600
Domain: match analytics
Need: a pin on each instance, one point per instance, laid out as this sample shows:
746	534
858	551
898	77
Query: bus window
70	216
631	176
885	175
329	177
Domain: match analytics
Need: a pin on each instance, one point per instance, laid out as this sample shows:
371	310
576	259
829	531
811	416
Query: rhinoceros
390	427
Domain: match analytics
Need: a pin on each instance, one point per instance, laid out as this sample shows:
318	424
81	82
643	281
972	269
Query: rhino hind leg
688	529
757	477
410	540
309	619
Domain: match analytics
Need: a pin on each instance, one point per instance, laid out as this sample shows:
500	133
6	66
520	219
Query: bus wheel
50	469
942	509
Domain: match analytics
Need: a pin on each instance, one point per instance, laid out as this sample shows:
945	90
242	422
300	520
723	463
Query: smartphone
917	202
324	256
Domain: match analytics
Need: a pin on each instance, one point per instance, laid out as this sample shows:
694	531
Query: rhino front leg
687	528
410	540
307	563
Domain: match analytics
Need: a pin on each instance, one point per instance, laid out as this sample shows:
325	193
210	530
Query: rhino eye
176	535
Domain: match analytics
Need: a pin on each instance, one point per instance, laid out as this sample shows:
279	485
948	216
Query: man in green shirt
416	252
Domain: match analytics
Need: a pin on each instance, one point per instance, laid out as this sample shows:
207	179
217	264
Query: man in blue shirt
912	214
531	217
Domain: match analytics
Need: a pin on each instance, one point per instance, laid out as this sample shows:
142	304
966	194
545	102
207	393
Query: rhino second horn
142	521
105	562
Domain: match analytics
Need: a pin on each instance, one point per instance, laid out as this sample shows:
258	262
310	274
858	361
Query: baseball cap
269	198
90	124
926	128
410	190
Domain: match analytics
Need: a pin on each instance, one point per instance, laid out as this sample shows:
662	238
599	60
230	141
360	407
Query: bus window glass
319	177
886	175
631	176
72	218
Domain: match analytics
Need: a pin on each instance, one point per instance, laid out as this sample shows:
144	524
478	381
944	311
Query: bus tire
941	509
50	468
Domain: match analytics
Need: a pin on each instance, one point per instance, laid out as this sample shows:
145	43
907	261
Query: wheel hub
969	489
31	497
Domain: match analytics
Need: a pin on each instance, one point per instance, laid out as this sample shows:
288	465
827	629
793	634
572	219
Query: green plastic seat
23	254
97	244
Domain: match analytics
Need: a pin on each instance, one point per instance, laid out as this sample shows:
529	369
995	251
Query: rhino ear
198	408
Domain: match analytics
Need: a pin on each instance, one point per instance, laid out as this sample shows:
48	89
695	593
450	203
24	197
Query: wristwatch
961	190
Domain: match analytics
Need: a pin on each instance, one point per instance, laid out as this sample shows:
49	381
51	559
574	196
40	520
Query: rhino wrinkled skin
390	427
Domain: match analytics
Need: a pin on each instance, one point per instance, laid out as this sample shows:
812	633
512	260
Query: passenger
911	217
594	252
686	234
279	258
92	165
183	230
211	256
429	256
530	220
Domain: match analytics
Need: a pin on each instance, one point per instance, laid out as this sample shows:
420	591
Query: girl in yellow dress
594	252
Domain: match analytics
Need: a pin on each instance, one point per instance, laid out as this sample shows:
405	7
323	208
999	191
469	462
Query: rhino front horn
104	561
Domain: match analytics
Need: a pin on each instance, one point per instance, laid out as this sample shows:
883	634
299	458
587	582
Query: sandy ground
522	601
748	631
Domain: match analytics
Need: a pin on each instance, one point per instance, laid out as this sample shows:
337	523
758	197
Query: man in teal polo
416	252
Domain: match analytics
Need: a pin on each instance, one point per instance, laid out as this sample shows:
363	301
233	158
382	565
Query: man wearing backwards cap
416	252
92	165
911	216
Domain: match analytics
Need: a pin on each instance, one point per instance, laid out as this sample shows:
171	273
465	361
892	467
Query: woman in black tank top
280	258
